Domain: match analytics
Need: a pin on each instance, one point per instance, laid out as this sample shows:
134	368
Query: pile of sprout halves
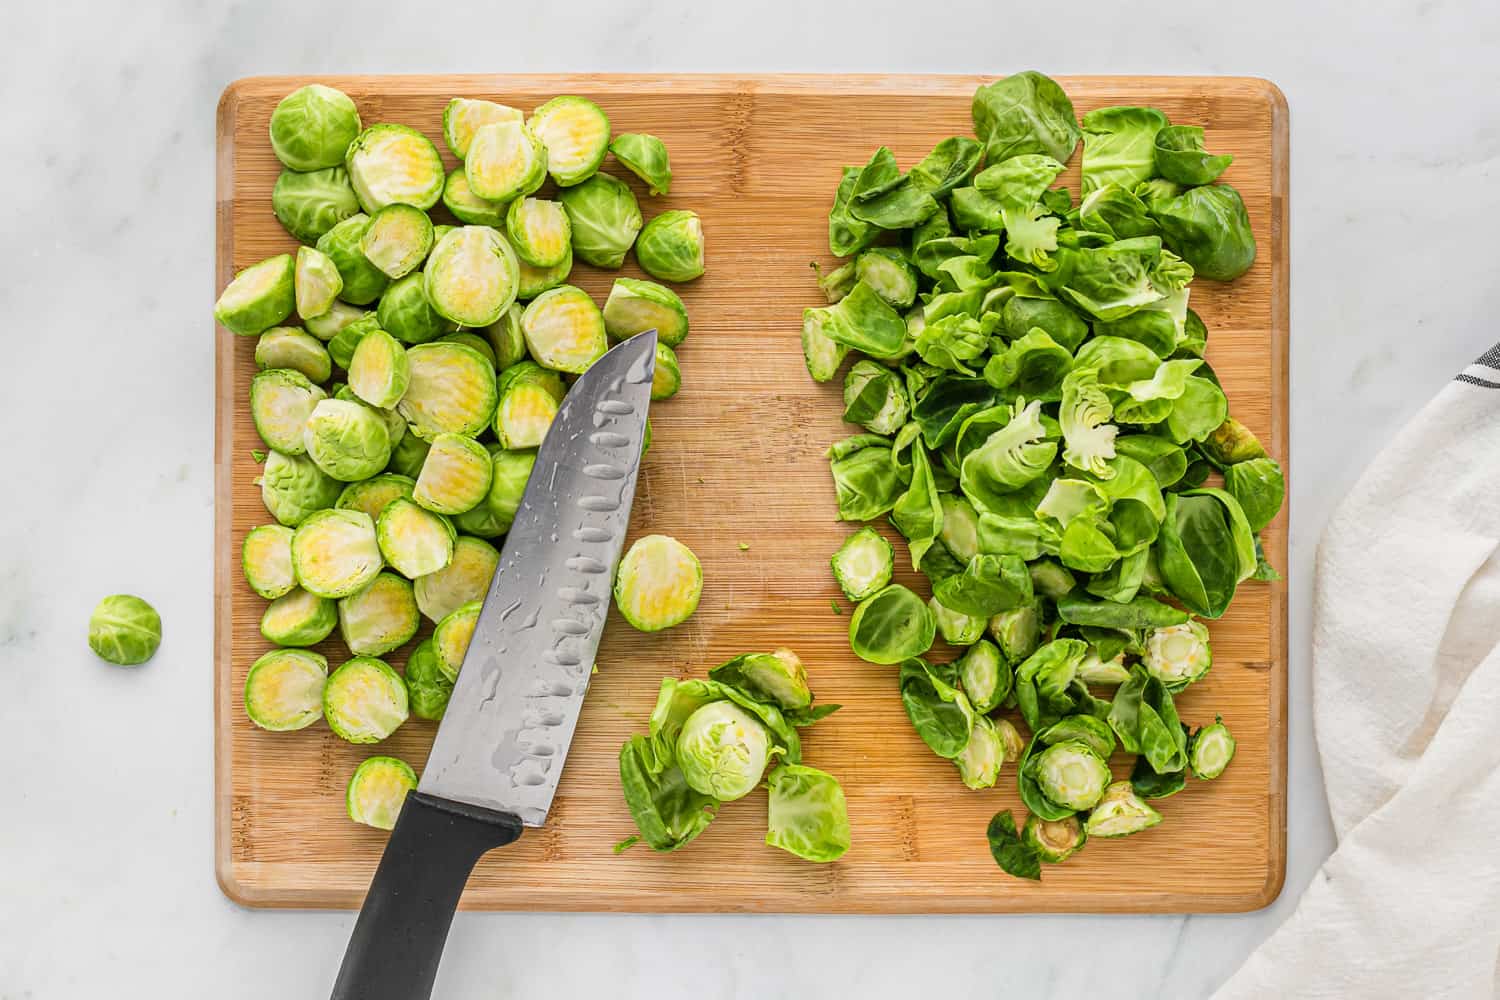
1041	427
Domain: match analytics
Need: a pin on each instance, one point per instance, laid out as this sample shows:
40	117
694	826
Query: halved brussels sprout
778	677
666	379
512	470
467	206
363	281
394	424
260	297
723	751
405	313
315	282
393	164
536	280
539	231
378	372
397	239
377	791
473	341
506	160
466	115
284	689
635	306
529	397
266	558
298	618
313	126
671	247
308	205
887	273
450	640
956	628
1211	751
564	330
1120	811
414	540
293	487
985	676
1108	673
1018	631
1051	579
605	218
980	761
863	564
506	339
347	440
1071	775
455	477
334	552
471	276
364	700
452	390
891	625
125	630
875	397
466	578
427	690
1054	840
1178	655
1010	738
575	131
380	618
338	316
822	353
645	156
407	456
281	402
373	495
658	583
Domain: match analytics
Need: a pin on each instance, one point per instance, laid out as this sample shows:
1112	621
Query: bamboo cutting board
737	458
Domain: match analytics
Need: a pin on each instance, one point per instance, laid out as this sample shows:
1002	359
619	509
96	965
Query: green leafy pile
1042	428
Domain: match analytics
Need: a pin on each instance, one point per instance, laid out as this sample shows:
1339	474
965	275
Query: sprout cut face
635	306
124	630
539	231
313	126
377	790
260	297
364	700
1054	840
413	540
472	276
529	398
658	583
467	206
393	164
281	402
464	116
979	763
316	282
334	553
863	564
378	372
451	390
373	495
723	751
985	676
1120	812
292	487
397	239
646	157
466	578
298	619
1211	751
564	330
671	246
450	640
267	560
506	160
575	131
605	218
347	440
427	689
1071	774
455	477
380	618
1178	655
289	347
284	689
310	204
666	379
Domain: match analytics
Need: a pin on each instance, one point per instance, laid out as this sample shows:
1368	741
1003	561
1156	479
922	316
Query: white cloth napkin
1406	704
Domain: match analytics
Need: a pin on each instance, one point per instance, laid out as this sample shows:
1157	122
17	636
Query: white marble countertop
106	869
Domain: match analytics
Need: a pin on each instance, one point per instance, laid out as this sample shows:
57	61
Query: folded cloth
1406	706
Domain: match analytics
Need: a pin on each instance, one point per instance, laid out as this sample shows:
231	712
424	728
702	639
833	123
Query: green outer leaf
987	586
940	712
1031	792
892	625
1008	850
668	813
807	814
1150	785
1145	719
1140	612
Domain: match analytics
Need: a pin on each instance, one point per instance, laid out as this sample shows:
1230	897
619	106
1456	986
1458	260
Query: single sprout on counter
346	440
1210	750
670	247
465	115
313	126
413	539
564	330
335	554
1054	840
428	689
266	558
645	156
397	239
364	700
807	814
658	583
378	371
299	618
284	689
450	640
373	495
290	348
377	790
1119	812
261	296
635	306
466	578
124	630
471	276
393	164
380	618
1178	655
451	390
575	132
506	160
723	751
863	564
666	379
455	476
539	231
605	219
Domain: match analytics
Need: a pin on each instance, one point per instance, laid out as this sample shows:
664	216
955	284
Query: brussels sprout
506	160
471	277
308	205
1120	811
316	284
891	625
605	219
645	156
260	297
511	471
564	330
415	541
635	306
1232	443
883	269
1178	655
575	131
378	371
373	495
956	628
266	558
822	353
1054	840
778	677
391	164
284	689
313	126
405	314
986	677
281	403
292	487
671	246
863	564
407	456
464	116
1010	738
467	206
1070	774
364	700
298	618
507	342
125	630
452	390
450	640
1018	631
875	398
539	231
1108	673
472	341
723	751
658	583
666	379
536	280
455	476
339	316
363	281
1211	750
529	397
348	441
395	426
466	578
397	239
979	763
379	618
334	552
1209	228
427	690
807	814
377	791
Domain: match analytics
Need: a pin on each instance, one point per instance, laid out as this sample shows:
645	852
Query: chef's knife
500	748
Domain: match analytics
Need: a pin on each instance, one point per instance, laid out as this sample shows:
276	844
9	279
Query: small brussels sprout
564	330
605	218
405	313
414	540
380	618
471	276
536	280
451	390
645	156
397	239
316	283
1178	655
266	558
507	342
1232	443
723	751
293	487
363	281
347	440
427	690
450	640
466	115
667	377
281	402
284	689
393	164
863	564
956	628
1211	750
1018	631
313	126
455	477
875	397
338	316
378	372
1120	811
125	630
298	619
986	677
1108	673
308	205
575	131
364	700
887	273
377	791
778	677
260	297
1010	738
334	552
539	231
506	160
529	397
658	583
394	424
511	471
467	206
891	625
980	761
474	341
466	578
822	353
635	306
671	247
1070	774
407	456
1054	840
373	495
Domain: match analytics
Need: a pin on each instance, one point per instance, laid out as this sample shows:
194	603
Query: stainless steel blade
510	721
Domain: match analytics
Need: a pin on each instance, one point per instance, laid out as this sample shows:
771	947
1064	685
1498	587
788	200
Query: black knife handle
398	939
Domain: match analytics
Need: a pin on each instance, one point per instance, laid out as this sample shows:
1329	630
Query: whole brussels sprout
511	471
671	246
605	219
313	126
293	488
646	157
308	205
363	281
124	630
405	313
348	441
723	751
377	790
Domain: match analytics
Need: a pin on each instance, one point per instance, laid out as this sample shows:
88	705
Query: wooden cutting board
737	457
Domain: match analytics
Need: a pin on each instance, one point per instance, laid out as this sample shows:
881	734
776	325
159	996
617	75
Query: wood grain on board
737	457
